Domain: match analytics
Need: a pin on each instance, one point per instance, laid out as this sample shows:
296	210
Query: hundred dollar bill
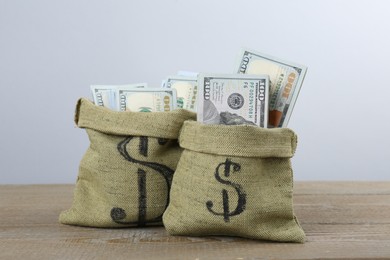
146	100
184	73
233	99
105	95
285	82
102	95
186	89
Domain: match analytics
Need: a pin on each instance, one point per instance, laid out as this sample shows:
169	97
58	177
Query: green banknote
233	99
146	100
105	95
286	79
186	89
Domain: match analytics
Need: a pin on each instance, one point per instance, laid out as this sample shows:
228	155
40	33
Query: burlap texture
125	175
236	181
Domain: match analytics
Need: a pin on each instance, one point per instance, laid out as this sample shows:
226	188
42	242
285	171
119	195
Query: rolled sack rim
153	124
238	140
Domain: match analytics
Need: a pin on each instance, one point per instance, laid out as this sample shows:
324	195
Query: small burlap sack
125	175
236	181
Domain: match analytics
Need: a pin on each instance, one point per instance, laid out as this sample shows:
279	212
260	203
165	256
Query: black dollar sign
225	196
119	214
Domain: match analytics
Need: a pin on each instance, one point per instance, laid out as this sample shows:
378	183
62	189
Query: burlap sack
125	175
236	181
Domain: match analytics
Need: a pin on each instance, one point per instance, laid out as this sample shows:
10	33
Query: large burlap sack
125	175
236	181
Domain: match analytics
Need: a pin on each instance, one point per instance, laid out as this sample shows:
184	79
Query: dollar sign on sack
228	168
118	214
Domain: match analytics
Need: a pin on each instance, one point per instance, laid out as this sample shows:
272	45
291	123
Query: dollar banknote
183	73
186	89
233	99
286	79
146	100
102	95
105	95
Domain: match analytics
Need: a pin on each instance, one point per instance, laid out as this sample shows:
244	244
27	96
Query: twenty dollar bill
233	99
285	82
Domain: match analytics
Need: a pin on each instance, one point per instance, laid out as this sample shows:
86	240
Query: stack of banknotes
261	91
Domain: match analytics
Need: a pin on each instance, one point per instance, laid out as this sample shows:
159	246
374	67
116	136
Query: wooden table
342	220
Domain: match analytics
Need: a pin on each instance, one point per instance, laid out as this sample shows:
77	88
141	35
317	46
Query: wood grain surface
342	220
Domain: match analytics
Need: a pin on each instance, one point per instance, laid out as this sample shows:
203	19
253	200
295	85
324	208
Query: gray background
51	51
